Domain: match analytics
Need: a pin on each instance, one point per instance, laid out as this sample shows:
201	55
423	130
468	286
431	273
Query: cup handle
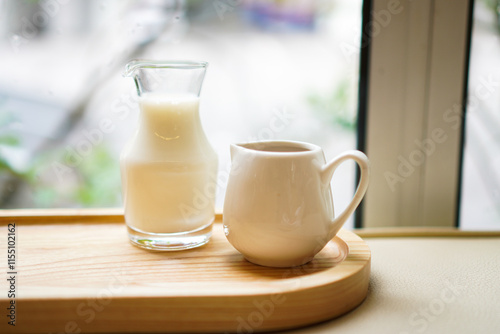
327	173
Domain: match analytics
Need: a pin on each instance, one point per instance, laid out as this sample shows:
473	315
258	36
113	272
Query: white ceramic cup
278	209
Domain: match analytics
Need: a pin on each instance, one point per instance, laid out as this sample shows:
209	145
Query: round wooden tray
87	275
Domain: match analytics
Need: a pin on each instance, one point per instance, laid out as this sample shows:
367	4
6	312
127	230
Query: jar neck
169	119
169	125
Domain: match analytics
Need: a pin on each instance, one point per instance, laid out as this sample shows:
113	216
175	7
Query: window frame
414	58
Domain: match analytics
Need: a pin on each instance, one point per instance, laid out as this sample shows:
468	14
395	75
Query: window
480	205
278	70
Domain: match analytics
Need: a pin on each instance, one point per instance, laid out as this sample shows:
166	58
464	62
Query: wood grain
85	276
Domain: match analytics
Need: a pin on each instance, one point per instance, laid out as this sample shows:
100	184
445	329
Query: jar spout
131	67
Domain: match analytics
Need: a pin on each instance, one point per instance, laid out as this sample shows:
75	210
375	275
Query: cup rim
308	148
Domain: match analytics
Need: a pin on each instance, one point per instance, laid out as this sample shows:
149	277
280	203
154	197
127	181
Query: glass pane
480	207
278	70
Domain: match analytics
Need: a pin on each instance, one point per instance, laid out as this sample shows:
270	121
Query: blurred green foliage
9	139
337	108
100	179
95	182
494	6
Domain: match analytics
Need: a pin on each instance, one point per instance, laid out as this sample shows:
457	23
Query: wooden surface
115	215
81	274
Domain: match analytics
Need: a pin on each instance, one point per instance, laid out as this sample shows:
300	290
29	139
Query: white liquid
169	169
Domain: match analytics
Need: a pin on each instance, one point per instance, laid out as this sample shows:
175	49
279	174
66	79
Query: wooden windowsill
115	215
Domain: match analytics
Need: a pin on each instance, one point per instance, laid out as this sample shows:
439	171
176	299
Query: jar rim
172	64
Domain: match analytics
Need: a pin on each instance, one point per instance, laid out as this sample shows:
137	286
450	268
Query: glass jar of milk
168	169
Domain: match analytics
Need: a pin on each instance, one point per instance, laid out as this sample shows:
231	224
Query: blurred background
283	69
277	70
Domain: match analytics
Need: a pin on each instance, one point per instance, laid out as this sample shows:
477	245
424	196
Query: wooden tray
82	274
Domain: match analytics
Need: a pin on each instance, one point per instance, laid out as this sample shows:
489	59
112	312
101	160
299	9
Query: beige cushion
427	285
